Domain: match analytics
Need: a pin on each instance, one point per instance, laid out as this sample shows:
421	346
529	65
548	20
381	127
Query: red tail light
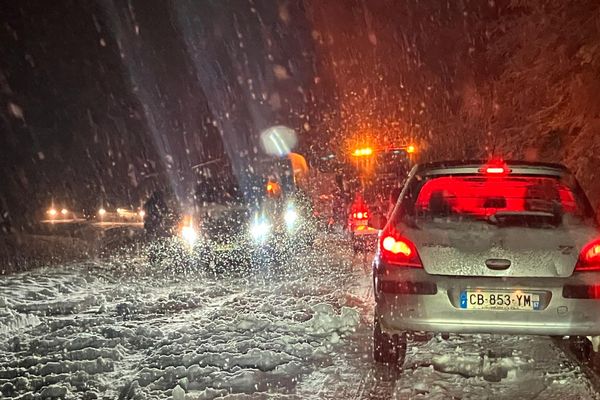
360	215
589	258
398	250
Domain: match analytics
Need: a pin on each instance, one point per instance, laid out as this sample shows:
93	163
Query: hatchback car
476	247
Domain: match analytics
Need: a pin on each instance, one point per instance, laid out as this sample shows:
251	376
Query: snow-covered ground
119	329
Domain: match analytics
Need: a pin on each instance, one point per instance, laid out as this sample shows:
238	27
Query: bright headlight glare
260	229
189	234
290	217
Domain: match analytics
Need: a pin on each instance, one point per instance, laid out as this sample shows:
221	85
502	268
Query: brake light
589	258
396	246
398	250
495	167
494	170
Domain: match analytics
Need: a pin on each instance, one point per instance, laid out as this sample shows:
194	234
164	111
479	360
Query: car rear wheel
388	349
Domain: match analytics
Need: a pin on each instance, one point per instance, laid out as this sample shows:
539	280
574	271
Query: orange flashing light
364	152
410	149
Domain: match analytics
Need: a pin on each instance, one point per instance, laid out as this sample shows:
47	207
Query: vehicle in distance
226	231
234	237
382	171
476	247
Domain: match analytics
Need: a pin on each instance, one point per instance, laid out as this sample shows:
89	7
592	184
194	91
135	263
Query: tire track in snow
378	383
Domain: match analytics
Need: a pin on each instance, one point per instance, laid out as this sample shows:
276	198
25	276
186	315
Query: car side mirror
378	221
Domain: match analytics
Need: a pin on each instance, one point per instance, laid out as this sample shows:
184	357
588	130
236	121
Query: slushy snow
121	329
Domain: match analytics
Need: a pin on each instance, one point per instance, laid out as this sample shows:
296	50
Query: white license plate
489	300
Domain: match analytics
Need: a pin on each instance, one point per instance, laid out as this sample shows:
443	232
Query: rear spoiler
541	170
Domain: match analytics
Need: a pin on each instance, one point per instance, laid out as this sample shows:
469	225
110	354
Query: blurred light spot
280	72
278	140
373	38
284	13
15	110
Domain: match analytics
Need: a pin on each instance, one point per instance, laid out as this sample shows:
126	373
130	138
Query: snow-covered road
119	329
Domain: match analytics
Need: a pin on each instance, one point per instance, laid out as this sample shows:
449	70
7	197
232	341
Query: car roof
454	167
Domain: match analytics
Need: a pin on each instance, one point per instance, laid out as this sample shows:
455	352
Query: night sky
102	101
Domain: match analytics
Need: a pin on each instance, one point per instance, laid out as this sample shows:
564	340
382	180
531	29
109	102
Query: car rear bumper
365	232
412	300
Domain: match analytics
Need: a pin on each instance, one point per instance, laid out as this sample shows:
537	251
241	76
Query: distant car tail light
589	258
397	250
360	215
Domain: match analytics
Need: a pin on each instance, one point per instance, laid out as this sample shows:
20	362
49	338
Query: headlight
189	234
260	229
290	217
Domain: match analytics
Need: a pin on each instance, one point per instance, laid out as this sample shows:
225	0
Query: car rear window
486	196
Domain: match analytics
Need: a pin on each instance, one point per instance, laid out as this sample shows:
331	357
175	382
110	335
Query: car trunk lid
479	249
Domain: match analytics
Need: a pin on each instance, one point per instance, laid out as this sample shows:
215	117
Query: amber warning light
366	151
